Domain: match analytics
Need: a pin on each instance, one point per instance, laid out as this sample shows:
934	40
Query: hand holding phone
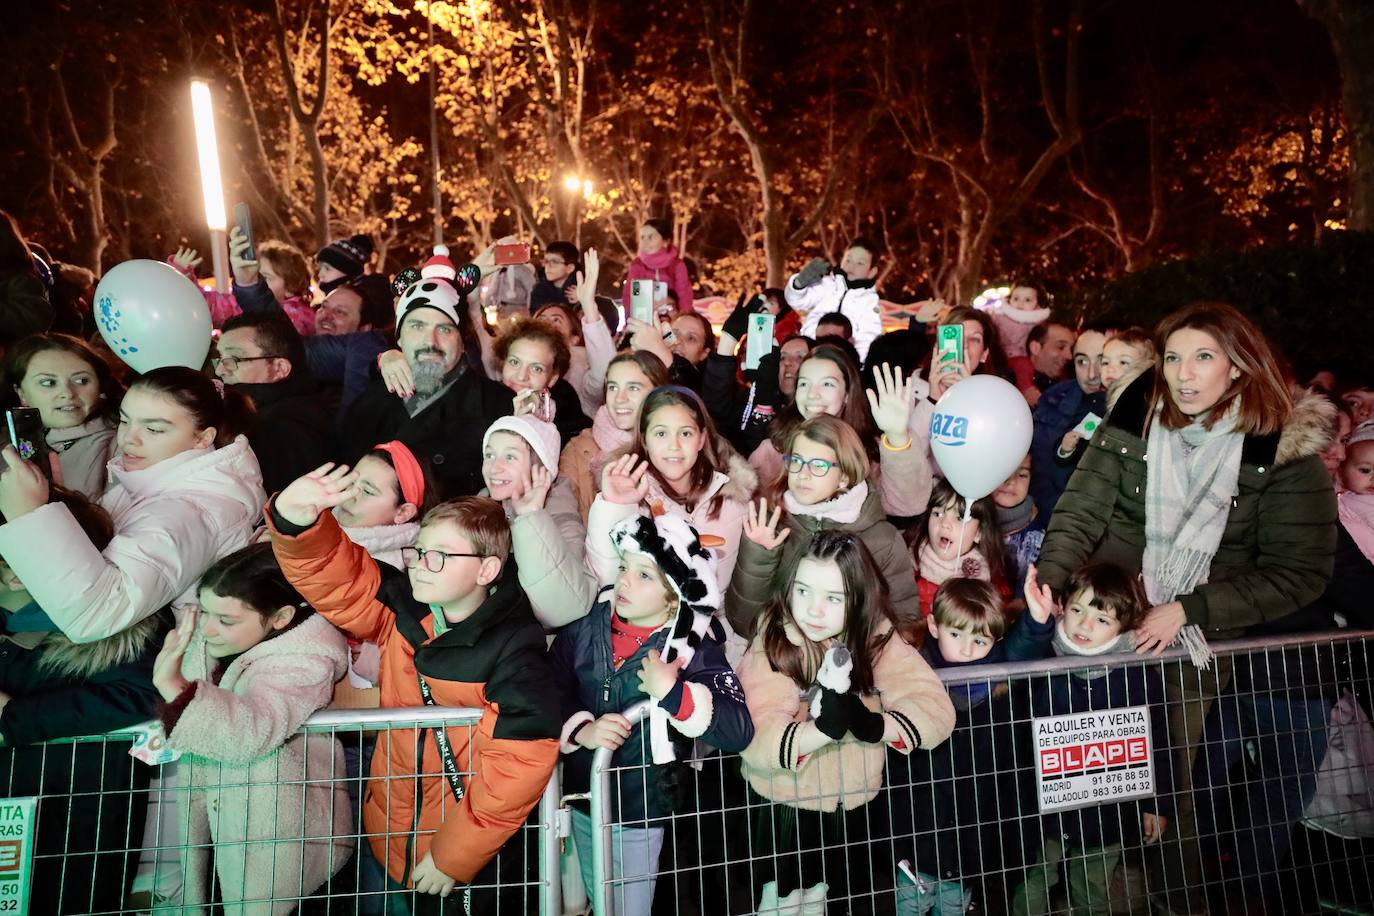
759	339
949	348
243	219
642	300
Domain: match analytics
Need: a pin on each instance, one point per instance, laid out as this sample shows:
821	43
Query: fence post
600	802
551	901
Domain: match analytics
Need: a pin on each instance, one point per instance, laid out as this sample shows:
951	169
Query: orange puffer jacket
494	661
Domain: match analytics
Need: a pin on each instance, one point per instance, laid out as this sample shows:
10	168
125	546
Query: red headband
408	473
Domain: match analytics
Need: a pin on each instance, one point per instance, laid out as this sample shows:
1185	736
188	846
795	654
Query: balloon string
963	525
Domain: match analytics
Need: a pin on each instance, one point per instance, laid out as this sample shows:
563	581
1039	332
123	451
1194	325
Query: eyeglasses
554	262
819	466
230	363
433	559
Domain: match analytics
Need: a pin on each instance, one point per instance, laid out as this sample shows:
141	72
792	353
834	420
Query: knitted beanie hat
433	294
1363	433
542	438
348	256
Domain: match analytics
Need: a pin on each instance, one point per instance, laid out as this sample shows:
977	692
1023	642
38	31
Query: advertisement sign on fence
1092	758
16	854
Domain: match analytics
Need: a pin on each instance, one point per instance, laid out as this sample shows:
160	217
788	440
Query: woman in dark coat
91	795
1231	522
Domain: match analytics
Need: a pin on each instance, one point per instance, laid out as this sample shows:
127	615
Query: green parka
1276	553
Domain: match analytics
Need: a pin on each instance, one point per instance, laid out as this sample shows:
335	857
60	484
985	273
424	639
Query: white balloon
152	316
980	432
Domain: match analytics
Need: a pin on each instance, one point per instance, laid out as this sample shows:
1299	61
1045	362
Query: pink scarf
659	260
608	438
934	568
1356	512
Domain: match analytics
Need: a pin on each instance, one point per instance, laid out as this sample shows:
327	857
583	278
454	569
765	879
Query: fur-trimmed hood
1306	432
1309	428
83	661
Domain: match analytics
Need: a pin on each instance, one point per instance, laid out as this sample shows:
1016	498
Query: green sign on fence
16	855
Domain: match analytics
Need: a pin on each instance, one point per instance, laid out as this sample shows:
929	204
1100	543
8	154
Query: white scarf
936	569
1192	476
1063	646
842	508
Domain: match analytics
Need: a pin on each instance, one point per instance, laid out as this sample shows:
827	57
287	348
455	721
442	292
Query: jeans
1289	731
634	863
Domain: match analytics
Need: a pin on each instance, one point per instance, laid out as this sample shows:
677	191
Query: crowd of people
567	511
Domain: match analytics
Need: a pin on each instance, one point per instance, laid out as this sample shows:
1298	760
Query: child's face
650	242
944	526
808	487
857	264
153	428
1360	403
8	580
960	644
1334	456
373	500
506	464
1024	298
1118	359
821	388
641	596
1357	471
673	440
326	272
1087	625
459	575
231	627
818	599
1013	490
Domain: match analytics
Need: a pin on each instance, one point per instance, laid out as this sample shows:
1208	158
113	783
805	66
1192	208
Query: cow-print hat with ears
674	547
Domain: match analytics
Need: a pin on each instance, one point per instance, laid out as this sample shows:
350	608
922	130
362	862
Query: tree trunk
1351	26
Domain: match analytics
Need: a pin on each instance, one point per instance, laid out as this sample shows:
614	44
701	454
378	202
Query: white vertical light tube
211	183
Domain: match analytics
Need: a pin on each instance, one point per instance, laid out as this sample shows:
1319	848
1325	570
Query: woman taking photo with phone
185	490
77	397
1230	523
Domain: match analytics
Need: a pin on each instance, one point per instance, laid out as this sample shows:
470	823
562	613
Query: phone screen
514	253
642	300
24	430
758	341
244	220
949	347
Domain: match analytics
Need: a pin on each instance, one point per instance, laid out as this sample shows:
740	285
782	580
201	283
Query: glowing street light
211	184
571	182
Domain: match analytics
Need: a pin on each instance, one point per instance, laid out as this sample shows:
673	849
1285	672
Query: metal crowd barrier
1271	749
1265	772
81	845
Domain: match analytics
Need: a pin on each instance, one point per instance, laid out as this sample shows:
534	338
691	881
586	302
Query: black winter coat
291	432
448	432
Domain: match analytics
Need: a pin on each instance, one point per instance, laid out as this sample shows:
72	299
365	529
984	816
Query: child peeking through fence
239	677
652	634
950	805
830	687
1104	604
454	630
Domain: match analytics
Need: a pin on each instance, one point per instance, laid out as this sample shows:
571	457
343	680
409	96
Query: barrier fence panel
303	830
1121	784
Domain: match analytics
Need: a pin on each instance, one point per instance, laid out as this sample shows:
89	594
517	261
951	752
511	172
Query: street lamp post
211	183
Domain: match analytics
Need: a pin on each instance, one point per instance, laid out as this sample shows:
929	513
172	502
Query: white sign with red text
1093	758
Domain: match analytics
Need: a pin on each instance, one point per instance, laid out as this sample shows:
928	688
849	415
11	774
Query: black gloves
833	720
737	325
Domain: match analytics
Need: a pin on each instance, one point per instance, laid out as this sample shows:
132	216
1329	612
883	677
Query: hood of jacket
86	660
382	538
1306	432
230	472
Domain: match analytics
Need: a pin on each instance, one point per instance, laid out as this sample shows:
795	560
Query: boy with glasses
559	281
453	631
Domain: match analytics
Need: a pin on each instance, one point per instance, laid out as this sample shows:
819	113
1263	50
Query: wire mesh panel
1083	786
322	825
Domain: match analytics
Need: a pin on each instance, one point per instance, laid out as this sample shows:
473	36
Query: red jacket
494	661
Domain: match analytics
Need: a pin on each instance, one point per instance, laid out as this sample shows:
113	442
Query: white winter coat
832	294
271	802
172	522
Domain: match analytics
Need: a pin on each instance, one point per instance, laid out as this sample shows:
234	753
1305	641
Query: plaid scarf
1191	479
